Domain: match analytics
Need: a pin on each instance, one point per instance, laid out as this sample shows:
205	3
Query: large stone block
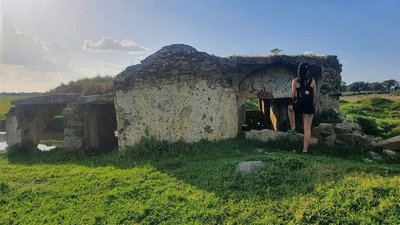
349	138
348	128
391	143
326	129
73	123
73	143
184	111
73	132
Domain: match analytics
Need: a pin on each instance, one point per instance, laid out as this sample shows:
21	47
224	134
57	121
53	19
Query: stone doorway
271	114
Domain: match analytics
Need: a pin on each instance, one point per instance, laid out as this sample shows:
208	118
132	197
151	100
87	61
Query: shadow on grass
211	165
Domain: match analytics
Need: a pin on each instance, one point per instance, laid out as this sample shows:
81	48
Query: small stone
249	167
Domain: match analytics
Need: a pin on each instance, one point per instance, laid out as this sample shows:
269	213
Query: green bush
327	117
368	125
252	104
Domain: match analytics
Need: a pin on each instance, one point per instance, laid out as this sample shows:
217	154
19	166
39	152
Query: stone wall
90	124
25	123
176	94
270	82
179	93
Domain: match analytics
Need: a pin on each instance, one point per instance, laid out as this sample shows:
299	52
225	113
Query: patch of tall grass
377	116
87	86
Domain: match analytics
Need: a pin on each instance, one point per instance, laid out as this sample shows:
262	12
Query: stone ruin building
177	93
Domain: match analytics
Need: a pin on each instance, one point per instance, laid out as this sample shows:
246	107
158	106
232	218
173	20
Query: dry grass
392	97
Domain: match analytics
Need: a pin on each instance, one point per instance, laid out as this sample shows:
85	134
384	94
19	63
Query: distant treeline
387	85
21	93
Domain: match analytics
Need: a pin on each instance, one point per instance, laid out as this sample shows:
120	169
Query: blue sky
47	42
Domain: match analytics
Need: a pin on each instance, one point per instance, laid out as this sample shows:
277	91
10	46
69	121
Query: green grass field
160	183
179	183
378	116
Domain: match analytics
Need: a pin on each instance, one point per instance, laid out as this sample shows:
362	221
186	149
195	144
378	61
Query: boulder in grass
375	156
249	167
391	144
391	154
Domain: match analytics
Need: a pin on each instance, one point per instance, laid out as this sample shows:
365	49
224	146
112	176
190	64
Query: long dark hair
302	73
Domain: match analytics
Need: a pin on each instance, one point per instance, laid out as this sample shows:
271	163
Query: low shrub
368	125
327	117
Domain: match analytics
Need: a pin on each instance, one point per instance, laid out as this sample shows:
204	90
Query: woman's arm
293	90
314	87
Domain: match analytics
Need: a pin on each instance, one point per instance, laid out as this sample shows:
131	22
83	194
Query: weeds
157	182
377	116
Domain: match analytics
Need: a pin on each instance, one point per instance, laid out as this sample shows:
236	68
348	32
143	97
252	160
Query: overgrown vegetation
252	104
87	86
377	116
180	183
5	104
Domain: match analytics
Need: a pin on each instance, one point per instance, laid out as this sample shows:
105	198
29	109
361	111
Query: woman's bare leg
291	117
307	130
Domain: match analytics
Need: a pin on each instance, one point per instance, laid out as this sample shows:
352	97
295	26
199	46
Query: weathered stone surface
270	135
349	138
26	123
326	129
74	123
74	143
369	140
174	63
249	167
73	132
391	154
345	133
176	94
391	144
68	112
176	112
375	156
96	99
3	137
13	131
48	99
347	127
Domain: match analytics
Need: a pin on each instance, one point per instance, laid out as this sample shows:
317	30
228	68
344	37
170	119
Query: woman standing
304	93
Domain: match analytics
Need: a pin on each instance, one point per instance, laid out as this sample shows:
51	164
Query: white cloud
19	48
109	44
18	78
308	53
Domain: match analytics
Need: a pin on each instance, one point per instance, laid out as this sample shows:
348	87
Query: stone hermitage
177	93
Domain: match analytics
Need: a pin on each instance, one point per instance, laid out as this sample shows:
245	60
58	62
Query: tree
275	51
358	86
376	86
389	83
343	86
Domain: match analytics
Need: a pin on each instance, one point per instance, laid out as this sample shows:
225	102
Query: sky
44	43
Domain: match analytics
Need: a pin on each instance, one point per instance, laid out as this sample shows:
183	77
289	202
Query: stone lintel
97	99
57	98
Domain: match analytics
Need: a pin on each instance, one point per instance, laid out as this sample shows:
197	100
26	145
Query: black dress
306	107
